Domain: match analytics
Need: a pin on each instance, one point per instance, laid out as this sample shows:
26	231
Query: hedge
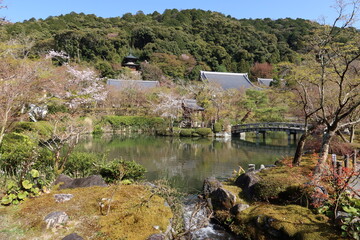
137	122
204	132
186	132
217	127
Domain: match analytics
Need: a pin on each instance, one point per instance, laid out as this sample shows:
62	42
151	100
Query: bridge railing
279	125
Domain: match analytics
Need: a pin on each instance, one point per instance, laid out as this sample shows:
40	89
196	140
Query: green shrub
119	170
56	105
217	127
17	152
81	164
186	132
167	132
30	186
203	131
98	130
45	164
137	122
350	226
42	128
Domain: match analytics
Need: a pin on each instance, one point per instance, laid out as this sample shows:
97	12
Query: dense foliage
135	122
179	43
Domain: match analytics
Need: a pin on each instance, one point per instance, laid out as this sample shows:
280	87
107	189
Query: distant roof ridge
228	80
134	80
131	56
121	83
223	73
265	81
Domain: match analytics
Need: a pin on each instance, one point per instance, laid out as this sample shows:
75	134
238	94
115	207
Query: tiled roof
121	84
130	56
265	81
228	80
192	104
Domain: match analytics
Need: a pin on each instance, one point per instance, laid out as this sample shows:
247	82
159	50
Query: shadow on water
186	162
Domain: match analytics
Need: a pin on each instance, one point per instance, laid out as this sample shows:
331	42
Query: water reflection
186	162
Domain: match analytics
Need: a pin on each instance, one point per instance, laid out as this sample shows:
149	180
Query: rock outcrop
55	219
63	197
222	199
246	182
218	198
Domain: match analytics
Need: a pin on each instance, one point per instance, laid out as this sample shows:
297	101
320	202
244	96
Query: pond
186	162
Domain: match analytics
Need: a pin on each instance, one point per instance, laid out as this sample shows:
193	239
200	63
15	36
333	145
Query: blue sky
19	10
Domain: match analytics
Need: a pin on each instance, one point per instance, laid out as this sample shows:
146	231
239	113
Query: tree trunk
2	134
247	115
300	149
352	133
324	152
4	123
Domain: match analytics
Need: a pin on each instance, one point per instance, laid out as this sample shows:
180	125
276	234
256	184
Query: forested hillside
180	43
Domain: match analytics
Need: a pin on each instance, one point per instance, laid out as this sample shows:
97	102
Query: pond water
186	162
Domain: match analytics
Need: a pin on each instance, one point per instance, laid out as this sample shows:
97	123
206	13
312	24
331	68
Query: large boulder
217	197
246	182
64	181
222	199
210	185
67	182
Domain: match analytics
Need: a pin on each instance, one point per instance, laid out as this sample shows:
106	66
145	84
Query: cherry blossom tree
81	87
169	106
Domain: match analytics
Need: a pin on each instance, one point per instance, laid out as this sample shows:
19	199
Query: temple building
130	62
228	80
191	112
265	81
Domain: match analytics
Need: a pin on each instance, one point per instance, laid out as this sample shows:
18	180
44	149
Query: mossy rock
282	184
265	221
134	211
275	192
237	191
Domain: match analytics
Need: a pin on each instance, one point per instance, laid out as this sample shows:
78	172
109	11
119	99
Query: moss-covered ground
135	213
293	221
274	210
